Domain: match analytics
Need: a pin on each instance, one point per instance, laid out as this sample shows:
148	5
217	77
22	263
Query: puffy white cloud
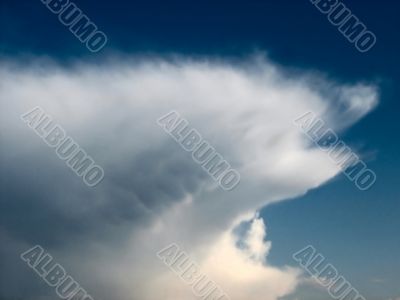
153	194
240	274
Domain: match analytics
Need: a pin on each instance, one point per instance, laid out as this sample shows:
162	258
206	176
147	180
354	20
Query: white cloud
153	192
257	248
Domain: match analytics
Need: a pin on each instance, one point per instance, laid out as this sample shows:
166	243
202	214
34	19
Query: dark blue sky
358	231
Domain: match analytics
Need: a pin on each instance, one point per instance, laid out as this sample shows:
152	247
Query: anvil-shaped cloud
153	194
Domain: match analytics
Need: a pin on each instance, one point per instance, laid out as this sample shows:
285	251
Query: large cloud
153	194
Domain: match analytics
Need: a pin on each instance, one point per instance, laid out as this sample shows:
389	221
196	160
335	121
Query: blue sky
356	230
